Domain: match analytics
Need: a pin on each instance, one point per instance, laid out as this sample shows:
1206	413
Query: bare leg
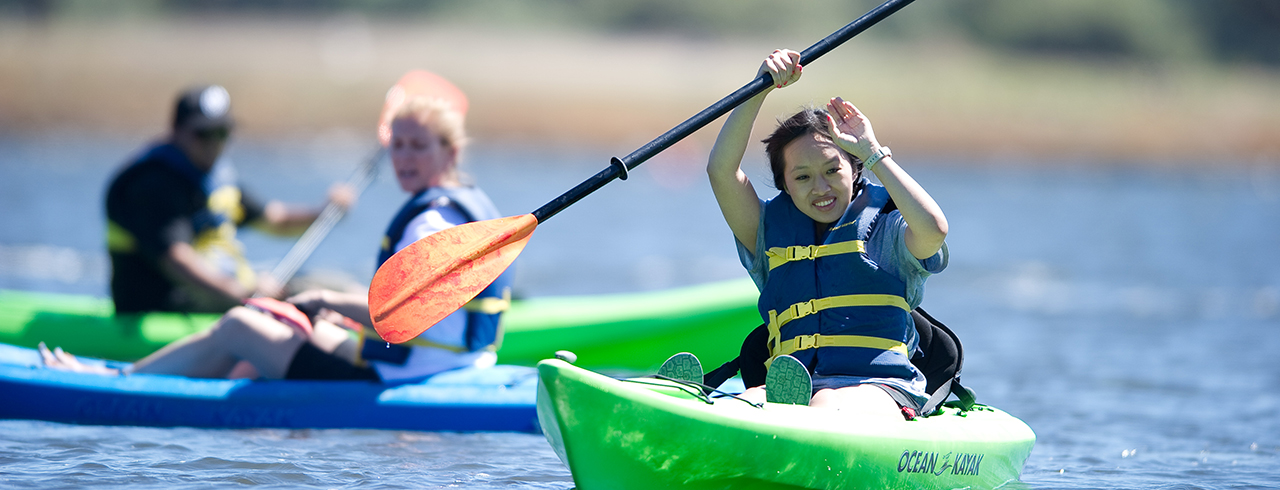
243	370
335	340
62	361
866	400
860	398
755	394
241	334
325	336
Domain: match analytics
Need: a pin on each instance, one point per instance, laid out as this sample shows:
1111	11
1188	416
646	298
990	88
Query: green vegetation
1090	79
1235	31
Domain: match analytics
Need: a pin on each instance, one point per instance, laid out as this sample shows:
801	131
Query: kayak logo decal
117	409
936	464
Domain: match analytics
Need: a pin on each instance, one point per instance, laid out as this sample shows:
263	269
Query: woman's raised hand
784	66
851	129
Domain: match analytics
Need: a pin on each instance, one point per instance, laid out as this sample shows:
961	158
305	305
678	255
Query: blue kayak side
501	398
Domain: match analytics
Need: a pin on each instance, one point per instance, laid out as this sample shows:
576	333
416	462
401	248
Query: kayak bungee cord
698	390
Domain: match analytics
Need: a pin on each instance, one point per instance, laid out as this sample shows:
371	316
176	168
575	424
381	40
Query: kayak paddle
434	276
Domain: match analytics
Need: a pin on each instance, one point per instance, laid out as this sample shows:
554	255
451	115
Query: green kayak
624	332
645	433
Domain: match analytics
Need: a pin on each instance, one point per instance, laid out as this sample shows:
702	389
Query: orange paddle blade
418	83
433	277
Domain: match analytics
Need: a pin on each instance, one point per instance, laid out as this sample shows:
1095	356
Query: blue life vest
219	184
483	312
826	303
214	225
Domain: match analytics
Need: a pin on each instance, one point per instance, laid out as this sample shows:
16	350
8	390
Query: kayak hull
615	434
625	332
468	400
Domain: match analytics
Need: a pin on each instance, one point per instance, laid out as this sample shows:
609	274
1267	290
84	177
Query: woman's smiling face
818	177
419	156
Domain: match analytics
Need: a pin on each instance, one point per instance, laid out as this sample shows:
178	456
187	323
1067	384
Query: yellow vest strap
221	242
119	239
226	200
370	333
490	305
779	255
801	310
421	342
818	340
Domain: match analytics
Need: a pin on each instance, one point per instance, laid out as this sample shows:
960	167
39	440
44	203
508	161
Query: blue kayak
501	398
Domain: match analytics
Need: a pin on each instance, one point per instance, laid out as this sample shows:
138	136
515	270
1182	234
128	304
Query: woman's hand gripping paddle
433	277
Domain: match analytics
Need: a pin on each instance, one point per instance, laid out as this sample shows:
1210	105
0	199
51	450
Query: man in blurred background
172	215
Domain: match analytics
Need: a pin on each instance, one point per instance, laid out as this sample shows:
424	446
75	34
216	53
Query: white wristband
880	153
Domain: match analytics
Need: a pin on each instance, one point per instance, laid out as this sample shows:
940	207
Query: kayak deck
465	400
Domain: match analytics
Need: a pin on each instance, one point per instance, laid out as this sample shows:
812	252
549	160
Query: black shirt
156	201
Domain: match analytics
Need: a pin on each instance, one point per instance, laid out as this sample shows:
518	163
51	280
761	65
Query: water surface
1127	313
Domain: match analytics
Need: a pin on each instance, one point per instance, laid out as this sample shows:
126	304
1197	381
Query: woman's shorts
311	363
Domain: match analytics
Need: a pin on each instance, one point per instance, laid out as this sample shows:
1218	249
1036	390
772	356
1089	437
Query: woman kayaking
840	261
302	339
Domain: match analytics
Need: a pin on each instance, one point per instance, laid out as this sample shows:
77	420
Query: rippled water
49	456
1128	314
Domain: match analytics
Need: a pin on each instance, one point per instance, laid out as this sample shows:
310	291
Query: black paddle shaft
618	167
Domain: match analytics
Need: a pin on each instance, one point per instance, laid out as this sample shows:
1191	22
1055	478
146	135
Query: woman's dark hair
808	121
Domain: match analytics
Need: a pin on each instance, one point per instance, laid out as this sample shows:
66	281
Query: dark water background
1128	313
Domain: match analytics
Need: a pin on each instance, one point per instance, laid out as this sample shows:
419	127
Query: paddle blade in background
414	84
433	277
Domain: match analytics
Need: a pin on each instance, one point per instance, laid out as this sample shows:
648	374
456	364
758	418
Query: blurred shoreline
530	86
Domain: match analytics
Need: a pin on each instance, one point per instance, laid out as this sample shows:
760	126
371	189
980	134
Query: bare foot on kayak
62	361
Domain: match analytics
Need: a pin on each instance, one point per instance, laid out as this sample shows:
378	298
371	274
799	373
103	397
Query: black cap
203	107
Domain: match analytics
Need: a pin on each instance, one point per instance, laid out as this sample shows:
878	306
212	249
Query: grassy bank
936	97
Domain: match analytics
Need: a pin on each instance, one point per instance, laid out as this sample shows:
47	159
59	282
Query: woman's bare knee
242	324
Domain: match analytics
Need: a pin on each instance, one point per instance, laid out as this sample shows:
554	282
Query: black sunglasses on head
213	134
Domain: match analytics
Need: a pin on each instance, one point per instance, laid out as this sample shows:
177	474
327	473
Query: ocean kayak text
928	462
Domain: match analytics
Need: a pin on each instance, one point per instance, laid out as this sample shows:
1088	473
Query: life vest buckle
807	342
801	310
800	252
